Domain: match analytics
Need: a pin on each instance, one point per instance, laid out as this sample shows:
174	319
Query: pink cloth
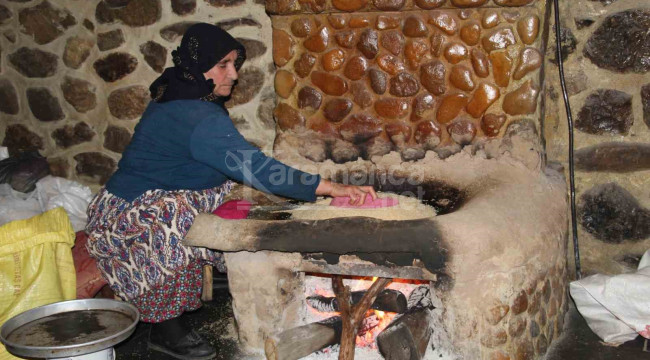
233	209
344	202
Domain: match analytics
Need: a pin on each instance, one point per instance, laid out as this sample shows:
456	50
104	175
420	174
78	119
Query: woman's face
223	74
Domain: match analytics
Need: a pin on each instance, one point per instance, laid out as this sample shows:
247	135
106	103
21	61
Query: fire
375	322
383	319
368	339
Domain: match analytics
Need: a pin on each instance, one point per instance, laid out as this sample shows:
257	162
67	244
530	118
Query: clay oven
431	98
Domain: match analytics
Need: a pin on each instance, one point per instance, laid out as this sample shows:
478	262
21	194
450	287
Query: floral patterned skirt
138	248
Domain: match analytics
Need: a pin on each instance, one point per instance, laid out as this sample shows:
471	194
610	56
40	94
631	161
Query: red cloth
233	209
89	279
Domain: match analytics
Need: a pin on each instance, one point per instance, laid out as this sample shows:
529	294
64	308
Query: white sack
71	195
617	308
50	192
15	205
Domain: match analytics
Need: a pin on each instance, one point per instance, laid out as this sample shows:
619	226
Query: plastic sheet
617	308
23	170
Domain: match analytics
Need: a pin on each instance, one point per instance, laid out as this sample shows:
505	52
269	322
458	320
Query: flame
376	320
383	319
369	338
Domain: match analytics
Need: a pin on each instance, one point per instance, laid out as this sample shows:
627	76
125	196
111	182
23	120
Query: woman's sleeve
217	143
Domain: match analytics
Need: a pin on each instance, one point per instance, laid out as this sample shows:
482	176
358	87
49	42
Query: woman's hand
357	194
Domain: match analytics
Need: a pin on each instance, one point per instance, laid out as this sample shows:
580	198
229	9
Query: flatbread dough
408	208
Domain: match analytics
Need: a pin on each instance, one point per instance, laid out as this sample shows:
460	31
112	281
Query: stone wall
74	75
403	76
608	77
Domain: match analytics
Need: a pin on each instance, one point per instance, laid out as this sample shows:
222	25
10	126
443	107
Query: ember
370	336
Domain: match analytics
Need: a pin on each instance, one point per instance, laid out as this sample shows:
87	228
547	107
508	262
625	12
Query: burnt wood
407	336
388	300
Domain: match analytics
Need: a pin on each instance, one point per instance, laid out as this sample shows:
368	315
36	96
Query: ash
332	353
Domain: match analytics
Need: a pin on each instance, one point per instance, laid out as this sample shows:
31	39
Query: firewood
303	340
388	300
352	315
407	336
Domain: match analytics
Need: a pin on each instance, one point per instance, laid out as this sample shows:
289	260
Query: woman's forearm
324	187
357	194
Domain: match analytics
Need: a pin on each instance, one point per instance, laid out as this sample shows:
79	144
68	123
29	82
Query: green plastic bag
36	266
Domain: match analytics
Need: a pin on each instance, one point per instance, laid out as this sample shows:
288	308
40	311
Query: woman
180	162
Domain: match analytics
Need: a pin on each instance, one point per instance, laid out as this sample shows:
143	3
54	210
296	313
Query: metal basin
69	328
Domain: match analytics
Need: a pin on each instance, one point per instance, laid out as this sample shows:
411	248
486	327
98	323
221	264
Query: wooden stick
303	340
353	315
206	292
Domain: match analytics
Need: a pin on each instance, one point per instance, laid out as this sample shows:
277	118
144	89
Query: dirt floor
214	321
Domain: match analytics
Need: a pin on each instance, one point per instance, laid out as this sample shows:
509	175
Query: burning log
407	337
352	315
303	340
387	300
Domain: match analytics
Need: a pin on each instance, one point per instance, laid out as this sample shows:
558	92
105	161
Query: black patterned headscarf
202	47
